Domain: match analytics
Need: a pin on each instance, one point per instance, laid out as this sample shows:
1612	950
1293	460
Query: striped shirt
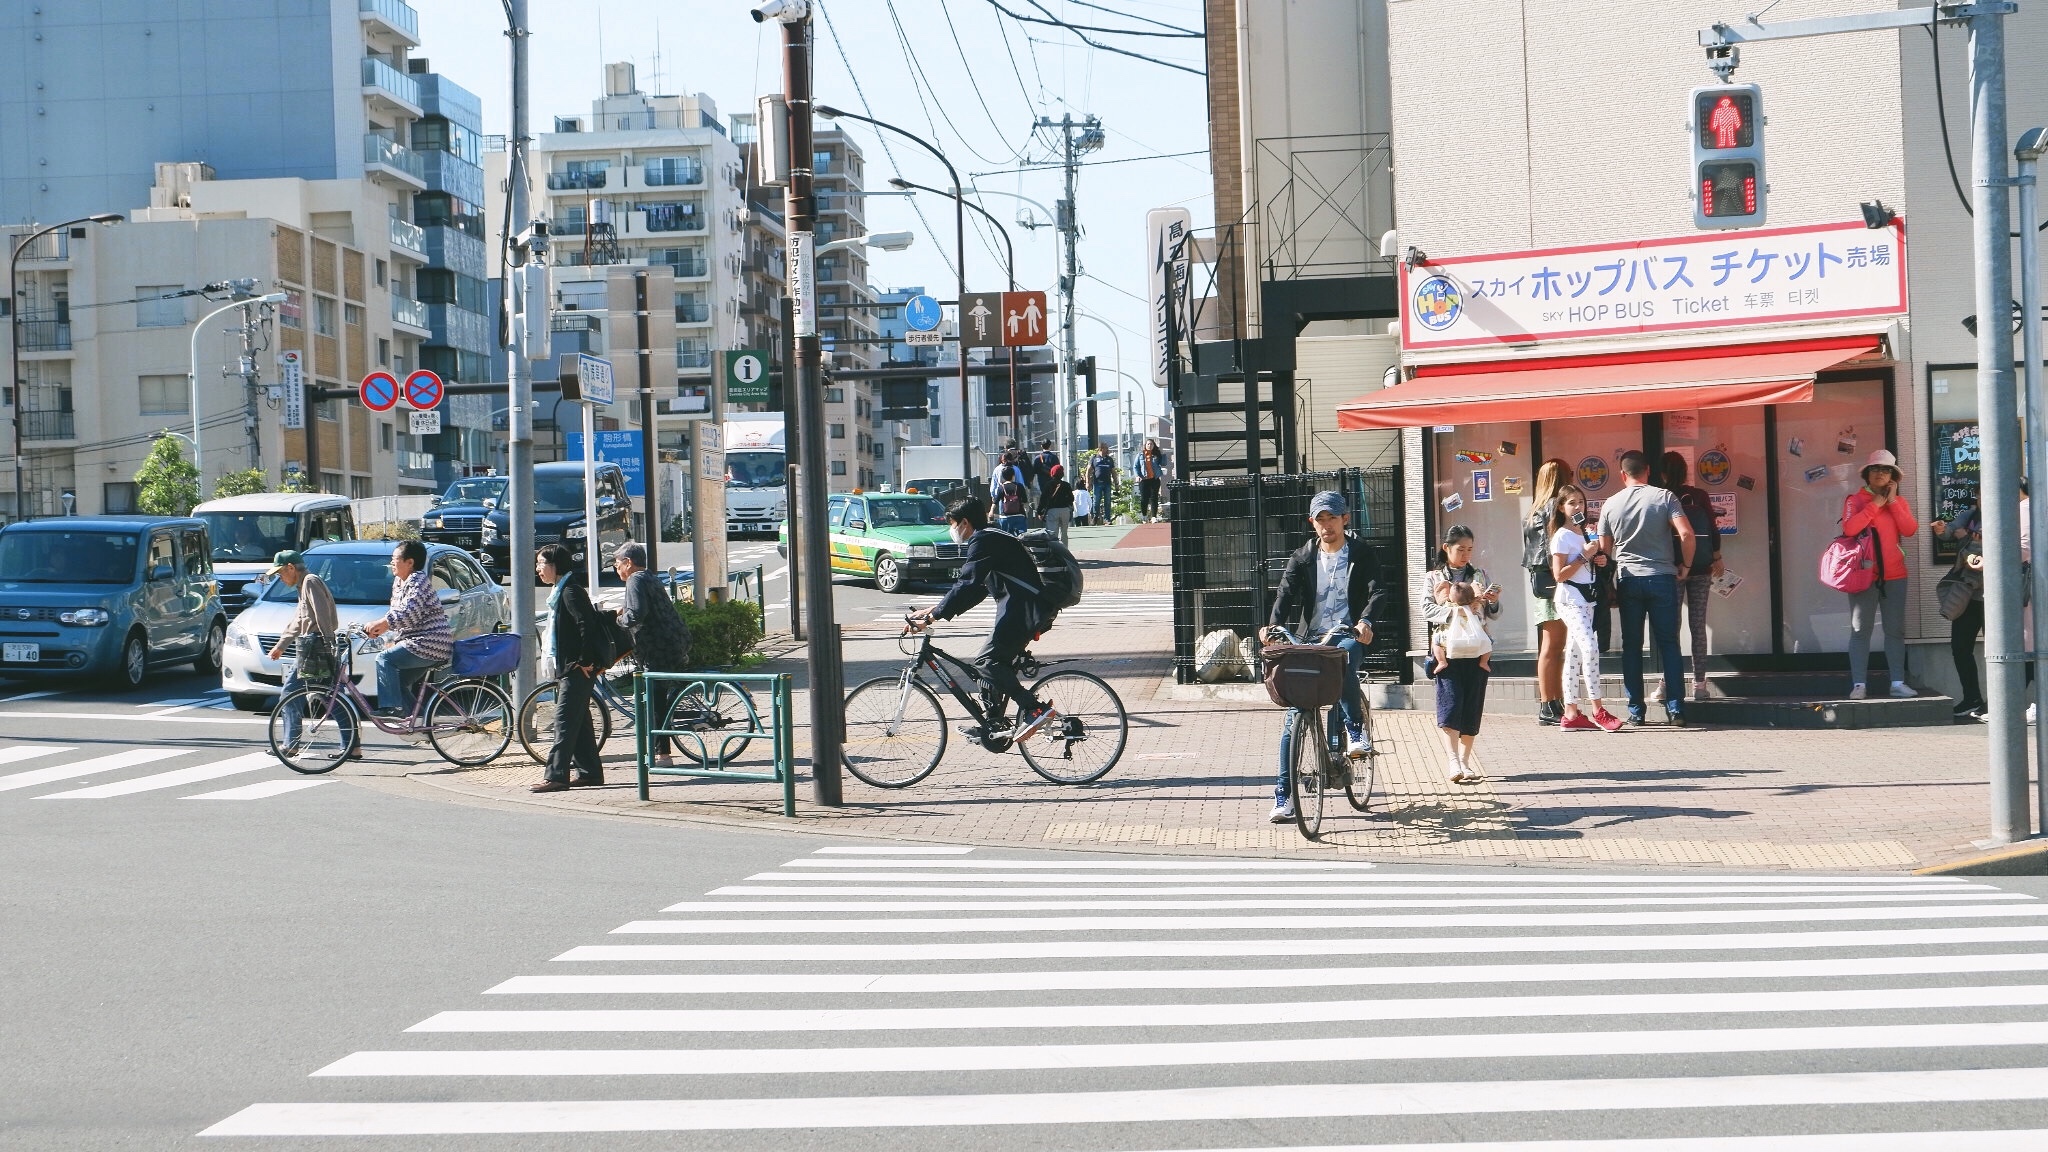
418	622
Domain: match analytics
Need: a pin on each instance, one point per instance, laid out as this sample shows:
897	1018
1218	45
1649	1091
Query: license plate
21	653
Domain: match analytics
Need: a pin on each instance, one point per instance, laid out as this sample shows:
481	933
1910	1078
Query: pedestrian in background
1102	481
1651	542
1056	502
1881	509
1697	582
1042	465
1150	465
661	641
1543	613
1454	585
579	651
313	626
1573	560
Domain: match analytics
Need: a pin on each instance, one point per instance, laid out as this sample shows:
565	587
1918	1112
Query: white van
248	531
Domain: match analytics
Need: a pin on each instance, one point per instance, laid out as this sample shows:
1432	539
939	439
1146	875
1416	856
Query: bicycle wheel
1358	772
537	722
1308	761
469	722
717	715
895	732
1087	731
325	740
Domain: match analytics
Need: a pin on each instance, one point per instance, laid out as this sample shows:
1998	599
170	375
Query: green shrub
721	634
243	483
396	530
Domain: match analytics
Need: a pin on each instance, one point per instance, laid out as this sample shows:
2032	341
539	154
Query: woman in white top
1575	551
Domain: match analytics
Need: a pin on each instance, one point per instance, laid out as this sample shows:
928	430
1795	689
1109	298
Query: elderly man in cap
661	641
1331	585
313	625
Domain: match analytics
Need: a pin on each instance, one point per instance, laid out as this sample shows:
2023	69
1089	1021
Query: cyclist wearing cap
1331	583
314	622
996	565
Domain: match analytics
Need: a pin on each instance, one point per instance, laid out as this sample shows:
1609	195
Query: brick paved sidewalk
1197	776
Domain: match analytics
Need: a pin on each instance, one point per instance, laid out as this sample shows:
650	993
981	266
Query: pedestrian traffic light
1727	129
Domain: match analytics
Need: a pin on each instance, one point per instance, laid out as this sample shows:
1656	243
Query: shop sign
1732	280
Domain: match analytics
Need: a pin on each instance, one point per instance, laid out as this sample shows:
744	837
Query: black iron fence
1232	536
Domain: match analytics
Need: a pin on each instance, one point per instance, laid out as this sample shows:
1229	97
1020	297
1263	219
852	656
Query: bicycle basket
494	655
1305	675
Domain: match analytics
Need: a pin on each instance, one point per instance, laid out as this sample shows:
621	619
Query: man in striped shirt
422	638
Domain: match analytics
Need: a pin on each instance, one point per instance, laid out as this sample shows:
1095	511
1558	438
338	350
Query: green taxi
890	538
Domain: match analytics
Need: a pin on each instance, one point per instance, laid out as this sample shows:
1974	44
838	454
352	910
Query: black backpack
1059	573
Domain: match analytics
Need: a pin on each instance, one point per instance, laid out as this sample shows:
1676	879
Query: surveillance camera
1390	245
786	11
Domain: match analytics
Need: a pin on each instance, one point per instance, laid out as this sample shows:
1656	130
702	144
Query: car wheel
134	666
248	702
208	663
888	574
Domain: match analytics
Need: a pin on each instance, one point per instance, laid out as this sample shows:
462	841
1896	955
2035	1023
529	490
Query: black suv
457	517
558	516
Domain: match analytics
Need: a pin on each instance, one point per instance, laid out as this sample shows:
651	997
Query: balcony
685	261
47	426
392	18
391	88
577	181
49	246
447	172
673	218
691	356
693	313
416	465
673	173
386	160
407	236
45	335
411	313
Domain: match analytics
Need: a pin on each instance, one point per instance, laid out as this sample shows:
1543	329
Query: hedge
721	634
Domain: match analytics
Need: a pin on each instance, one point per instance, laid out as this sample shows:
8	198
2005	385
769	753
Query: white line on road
31	696
1169	1105
84	768
1102	865
1297	875
697	983
30	752
899	850
1021	1057
2012	1140
140	717
1531	901
1440	945
262	790
253	762
1562	888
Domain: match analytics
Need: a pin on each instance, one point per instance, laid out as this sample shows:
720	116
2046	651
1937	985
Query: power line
1024	89
954	31
1056	22
918	74
1092	163
1134	16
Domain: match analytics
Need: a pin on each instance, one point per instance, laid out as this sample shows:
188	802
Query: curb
2026	858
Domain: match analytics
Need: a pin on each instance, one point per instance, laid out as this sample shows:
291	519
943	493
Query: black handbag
1542	582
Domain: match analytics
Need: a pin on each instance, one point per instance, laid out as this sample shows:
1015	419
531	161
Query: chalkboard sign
1956	466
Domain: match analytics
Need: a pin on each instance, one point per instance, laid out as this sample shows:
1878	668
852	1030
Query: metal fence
1232	536
713	748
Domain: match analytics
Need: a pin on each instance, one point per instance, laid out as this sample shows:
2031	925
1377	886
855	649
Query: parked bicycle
1318	767
466	717
698	708
896	728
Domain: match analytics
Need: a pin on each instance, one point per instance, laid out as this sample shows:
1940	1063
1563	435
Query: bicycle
896	728
1314	773
695	709
467	719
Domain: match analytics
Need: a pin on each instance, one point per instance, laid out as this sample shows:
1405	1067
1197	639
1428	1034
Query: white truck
756	475
934	469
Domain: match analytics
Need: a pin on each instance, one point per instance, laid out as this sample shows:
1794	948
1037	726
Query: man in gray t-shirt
1651	541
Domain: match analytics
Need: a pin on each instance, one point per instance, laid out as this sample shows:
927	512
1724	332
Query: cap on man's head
289	558
634	552
1331	502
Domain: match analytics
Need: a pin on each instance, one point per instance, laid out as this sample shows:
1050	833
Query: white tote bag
1464	636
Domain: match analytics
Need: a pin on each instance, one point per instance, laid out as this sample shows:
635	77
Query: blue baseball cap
1331	502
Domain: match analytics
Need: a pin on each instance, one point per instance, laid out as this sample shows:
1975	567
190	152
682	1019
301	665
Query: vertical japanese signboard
291	375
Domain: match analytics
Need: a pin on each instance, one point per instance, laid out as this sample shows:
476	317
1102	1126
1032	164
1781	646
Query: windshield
353	578
898	513
475	490
558	493
67	557
934	487
755	470
252	536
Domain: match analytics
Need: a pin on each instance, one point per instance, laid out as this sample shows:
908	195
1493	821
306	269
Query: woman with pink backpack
1880	510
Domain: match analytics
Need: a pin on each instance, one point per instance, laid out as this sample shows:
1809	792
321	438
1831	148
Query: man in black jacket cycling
996	564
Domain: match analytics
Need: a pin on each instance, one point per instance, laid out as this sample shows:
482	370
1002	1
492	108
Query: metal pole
648	471
1998	408
590	536
827	675
2032	143
519	390
192	379
14	368
791	472
967	469
1069	229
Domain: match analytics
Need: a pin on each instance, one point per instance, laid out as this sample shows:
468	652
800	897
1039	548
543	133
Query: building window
117	499
383	273
330	483
165	396
838	431
383	352
359	487
692	307
352	315
839	467
153	311
384	436
292	313
835	395
330	411
323	316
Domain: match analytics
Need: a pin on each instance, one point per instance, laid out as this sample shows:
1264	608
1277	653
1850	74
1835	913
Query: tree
296	481
241	483
167	484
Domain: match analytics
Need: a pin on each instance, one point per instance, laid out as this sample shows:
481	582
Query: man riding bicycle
1331	583
997	565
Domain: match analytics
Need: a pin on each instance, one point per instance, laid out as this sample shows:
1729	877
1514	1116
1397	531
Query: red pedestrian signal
1728	187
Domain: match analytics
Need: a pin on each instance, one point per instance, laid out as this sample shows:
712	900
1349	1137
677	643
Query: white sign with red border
1726	280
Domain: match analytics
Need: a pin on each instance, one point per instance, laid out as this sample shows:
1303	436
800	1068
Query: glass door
1725	455
1483	476
1821	449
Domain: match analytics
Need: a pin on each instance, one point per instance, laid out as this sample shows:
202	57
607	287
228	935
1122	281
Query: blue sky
976	97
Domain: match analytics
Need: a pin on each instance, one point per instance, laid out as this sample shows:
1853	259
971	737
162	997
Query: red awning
1561	388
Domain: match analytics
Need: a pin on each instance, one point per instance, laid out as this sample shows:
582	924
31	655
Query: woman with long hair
1550	629
1575	554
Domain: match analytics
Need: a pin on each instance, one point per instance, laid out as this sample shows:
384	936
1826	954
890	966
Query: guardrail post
641	742
785	744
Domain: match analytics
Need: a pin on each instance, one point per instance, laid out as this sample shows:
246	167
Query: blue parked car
110	596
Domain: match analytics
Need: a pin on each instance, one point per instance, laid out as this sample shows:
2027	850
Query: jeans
339	710
1014	525
1885	599
575	747
1351	706
394	687
1657	598
1104	495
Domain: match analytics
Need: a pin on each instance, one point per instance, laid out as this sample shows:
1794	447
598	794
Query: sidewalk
1197	776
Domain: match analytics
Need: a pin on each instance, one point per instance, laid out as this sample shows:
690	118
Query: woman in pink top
1880	508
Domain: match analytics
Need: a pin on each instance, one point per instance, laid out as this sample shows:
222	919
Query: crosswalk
856	997
53	771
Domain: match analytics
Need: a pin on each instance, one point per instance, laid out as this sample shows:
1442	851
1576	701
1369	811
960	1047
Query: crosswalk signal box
1727	129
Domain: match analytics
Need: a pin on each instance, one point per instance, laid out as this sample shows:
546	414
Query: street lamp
14	333
193	378
886	241
967	468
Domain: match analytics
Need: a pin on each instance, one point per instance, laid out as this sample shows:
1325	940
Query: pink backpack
1849	563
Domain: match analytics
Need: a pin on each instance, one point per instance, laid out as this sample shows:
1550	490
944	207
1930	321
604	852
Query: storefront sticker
1592	474
1512	485
1746	483
1508	447
1846	442
1797	447
1443	428
1471	456
1682	426
1726	583
1453	502
1731	280
1715	466
1724	512
1482	486
1816	474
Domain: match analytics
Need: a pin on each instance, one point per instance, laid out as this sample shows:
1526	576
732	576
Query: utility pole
519	390
1068	223
649	471
252	326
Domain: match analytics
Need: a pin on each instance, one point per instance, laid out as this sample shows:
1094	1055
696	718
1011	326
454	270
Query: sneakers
1281	814
1902	690
1674	716
1607	721
1858	692
1031	722
1550	712
1579	722
1356	746
1964	713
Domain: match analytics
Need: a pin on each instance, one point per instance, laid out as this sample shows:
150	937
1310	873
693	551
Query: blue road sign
621	448
921	314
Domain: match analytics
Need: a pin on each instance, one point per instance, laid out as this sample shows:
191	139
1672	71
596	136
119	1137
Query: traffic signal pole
519	374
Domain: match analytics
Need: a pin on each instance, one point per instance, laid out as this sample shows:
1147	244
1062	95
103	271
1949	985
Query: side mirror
433	501
161	572
491	503
861	525
448	595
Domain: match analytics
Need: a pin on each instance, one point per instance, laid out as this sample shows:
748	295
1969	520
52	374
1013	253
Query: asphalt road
363	963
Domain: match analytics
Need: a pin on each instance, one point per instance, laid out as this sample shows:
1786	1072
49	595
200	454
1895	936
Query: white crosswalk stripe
153	771
1123	607
1866	993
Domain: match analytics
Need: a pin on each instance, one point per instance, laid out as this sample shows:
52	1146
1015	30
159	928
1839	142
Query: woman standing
1550	630
579	651
1695	585
661	641
1150	465
1574	556
1056	502
1880	508
1454	583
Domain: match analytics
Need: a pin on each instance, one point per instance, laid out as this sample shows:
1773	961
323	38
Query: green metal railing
716	687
